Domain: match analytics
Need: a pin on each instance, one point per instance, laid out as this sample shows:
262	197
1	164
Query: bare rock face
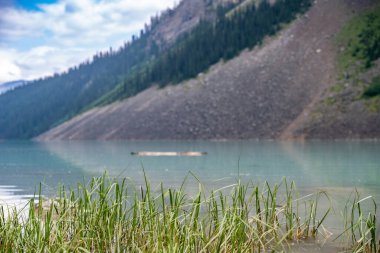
183	18
174	23
268	92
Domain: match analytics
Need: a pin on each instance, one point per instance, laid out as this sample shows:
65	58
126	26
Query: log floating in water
148	153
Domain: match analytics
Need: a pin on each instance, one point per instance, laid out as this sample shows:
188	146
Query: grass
107	216
337	88
359	41
329	101
360	224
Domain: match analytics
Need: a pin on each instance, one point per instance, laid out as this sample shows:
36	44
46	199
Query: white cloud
38	62
8	69
66	33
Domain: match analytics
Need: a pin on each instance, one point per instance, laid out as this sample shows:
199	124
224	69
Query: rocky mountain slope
66	94
274	91
185	16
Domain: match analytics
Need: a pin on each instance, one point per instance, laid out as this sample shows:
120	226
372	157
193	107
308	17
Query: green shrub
360	41
374	89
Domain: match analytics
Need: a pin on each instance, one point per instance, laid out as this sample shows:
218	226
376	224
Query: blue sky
32	4
41	37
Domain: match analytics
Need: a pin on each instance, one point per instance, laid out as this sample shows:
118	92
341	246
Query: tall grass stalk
106	215
360	224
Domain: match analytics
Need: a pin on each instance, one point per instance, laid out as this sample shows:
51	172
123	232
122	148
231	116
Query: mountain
11	85
64	95
218	69
192	37
298	83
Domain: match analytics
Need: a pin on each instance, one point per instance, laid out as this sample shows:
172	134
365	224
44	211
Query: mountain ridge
23	116
6	86
267	93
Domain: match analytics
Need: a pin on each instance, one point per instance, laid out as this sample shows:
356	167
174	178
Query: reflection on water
335	166
12	198
311	164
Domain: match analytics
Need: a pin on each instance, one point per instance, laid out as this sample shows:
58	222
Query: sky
43	37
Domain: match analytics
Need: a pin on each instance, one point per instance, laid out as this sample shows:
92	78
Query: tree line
117	74
208	43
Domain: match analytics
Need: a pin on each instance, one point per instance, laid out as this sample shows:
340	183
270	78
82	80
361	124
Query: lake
313	164
335	166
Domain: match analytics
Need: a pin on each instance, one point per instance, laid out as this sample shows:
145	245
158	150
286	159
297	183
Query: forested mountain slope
272	91
30	110
4	87
208	43
164	53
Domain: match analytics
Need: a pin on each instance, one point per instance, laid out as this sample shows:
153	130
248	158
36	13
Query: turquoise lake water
339	167
314	164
